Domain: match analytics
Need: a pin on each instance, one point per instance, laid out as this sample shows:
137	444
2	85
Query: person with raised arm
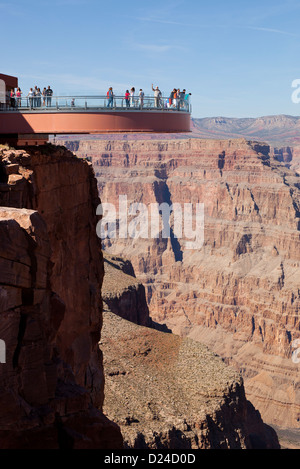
157	96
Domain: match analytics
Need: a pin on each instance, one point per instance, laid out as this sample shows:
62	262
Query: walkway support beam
93	122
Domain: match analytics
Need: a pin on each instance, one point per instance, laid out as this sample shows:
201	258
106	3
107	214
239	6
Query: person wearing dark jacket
49	94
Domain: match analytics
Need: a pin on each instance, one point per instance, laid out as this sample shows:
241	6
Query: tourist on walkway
30	98
157	96
171	98
177	99
19	97
44	94
110	97
35	101
49	94
182	96
132	91
174	102
186	100
38	97
141	98
127	98
12	98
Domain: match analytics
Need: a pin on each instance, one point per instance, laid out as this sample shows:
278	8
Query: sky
236	58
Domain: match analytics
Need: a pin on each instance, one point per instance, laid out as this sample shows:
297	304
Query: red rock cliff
51	272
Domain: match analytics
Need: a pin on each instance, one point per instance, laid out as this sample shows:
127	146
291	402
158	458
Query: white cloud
162	21
153	48
156	48
271	30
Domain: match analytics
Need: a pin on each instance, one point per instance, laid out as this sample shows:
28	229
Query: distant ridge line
279	129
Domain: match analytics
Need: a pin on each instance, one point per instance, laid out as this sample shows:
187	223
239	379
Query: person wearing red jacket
127	98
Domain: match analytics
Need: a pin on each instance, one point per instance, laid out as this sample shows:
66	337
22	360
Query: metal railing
94	103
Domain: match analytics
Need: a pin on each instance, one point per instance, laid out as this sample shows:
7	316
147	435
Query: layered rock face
122	293
166	392
51	386
51	273
290	156
239	292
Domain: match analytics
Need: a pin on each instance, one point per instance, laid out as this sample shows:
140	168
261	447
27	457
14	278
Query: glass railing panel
2	93
94	103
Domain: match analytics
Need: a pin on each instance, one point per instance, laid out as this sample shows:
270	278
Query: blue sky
237	58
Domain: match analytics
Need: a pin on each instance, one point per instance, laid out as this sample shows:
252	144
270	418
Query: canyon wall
290	156
51	274
160	390
122	293
239	292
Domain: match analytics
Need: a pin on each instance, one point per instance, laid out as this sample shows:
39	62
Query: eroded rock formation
290	156
122	293
166	392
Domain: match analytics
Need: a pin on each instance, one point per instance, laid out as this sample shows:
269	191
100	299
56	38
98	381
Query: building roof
10	82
